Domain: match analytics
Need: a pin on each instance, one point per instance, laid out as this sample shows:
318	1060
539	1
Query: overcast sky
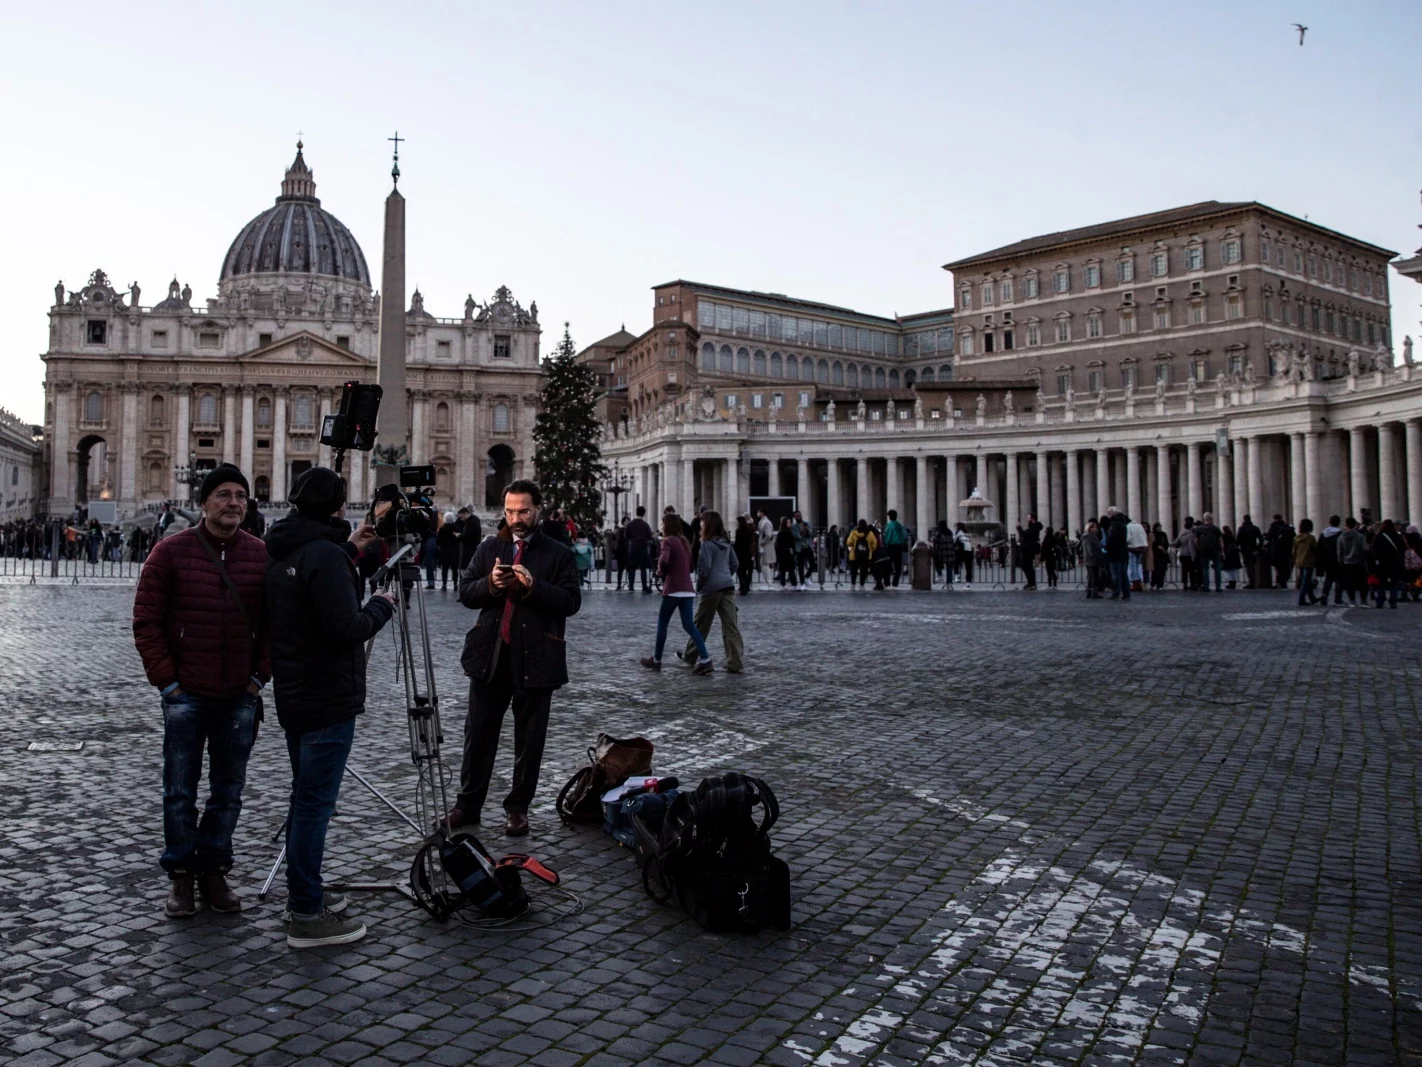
583	152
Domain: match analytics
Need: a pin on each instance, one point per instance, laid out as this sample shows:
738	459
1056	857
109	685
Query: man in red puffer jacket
208	653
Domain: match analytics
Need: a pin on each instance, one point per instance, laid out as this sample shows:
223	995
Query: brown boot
180	898
215	892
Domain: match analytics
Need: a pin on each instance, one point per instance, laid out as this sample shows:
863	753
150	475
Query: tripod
431	819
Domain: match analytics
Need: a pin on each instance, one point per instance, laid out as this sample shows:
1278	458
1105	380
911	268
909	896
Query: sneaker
181	904
214	891
332	901
704	667
324	929
650	663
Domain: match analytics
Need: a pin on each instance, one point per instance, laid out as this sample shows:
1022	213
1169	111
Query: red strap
506	620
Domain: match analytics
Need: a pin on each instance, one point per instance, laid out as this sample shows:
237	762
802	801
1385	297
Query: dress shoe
650	663
181	904
517	825
214	891
458	817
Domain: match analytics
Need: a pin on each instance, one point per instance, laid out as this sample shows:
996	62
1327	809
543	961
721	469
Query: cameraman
319	630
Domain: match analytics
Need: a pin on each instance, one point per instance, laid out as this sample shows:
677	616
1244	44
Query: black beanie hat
223	472
318	492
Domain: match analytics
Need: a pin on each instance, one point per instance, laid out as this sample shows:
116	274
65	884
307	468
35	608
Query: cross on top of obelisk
395	170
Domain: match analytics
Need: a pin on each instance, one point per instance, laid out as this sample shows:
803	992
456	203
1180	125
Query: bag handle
232	588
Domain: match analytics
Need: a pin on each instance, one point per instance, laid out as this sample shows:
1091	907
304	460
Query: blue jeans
1306	585
226	726
1120	584
318	760
1133	567
1208	561
688	623
1390	588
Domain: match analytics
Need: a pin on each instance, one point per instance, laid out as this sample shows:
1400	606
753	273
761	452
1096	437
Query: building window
777	369
301	412
1162	318
804	400
1063	330
1298	261
1128	377
264	412
207	410
965	298
443	349
94	407
851	376
503	346
757	400
987	293
727	359
1200	369
1034	335
1236	363
822	372
1230	251
441	419
155	411
1125	271
792	367
1162	373
1197	312
1061	279
757	323
760	361
1004	290
1093	325
1269	305
1128	321
880	381
967	344
989	341
501	418
1007	341
777	400
1312	265
1195	257
1063	382
708	355
705	314
1029	287
209	339
1234	307
837	373
731	401
159	338
1093	380
1263	250
97	332
1093	275
1159	264
743	360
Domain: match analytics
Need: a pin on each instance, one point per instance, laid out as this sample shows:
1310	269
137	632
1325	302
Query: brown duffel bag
610	763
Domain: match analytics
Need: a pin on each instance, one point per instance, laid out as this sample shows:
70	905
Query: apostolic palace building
1221	357
137	396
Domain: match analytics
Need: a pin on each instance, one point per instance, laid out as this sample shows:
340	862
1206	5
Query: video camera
411	510
353	425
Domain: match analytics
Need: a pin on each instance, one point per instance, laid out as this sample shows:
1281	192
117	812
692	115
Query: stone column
1103	481
1012	508
861	488
1044	491
924	504
772	487
128	448
1055	491
279	446
1256	483
419	447
1119	493
1150	502
743	483
1162	501
1387	473
182	440
229	425
1133	483
1296	509
1073	493
1414	469
1089	499
248	430
687	504
61	480
1313	498
1224	491
323	453
950	490
834	512
1195	498
1358	469
468	462
803	496
1238	448
893	487
390	362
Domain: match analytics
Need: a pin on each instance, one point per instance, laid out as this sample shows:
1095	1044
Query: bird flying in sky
1302	30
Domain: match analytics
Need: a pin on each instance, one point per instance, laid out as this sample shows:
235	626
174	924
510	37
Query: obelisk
390	445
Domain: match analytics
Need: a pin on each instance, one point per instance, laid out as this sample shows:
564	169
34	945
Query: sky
581	153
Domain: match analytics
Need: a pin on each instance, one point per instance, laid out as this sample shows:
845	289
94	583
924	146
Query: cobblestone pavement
1023	828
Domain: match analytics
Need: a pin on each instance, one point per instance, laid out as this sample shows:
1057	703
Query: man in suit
524	585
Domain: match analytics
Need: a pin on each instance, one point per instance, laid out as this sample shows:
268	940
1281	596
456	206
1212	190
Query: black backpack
713	857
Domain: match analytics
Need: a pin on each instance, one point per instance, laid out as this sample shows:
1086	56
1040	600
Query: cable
519	923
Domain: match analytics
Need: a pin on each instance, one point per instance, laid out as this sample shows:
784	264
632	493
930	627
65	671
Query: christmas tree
567	457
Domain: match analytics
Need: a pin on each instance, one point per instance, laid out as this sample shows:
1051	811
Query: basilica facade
140	399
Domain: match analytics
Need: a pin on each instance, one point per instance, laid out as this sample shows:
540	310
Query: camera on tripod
410	511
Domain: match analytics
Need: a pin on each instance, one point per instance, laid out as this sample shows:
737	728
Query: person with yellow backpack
860	547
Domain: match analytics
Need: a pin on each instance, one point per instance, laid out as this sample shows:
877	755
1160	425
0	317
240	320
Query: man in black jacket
1249	537
471	532
1118	553
524	585
319	630
1027	549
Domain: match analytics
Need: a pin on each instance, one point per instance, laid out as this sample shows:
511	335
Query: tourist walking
785	564
860	547
1184	545
1091	559
1159	555
1250	539
639	548
1279	544
1118	554
1136	544
1231	555
200	626
674	568
1389	548
447	550
765	534
1028	545
1326	561
1305	559
965	553
716	567
745	546
1353	562
895	544
1209	550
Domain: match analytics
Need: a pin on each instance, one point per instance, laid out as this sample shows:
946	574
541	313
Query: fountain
981	528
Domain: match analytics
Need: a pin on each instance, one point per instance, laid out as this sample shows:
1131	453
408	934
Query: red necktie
506	621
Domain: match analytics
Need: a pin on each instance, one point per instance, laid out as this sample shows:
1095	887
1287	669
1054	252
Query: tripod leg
271	876
363	780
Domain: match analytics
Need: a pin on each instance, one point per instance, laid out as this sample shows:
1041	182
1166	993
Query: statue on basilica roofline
861	412
1190	385
829	408
918	406
187	294
1354	361
58	293
1160	388
1407	350
890	410
981	404
1382	357
133	293
469	306
1007	404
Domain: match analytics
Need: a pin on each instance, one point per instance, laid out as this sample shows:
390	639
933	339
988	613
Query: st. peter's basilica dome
295	236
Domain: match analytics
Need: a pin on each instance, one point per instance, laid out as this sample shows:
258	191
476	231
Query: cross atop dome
299	183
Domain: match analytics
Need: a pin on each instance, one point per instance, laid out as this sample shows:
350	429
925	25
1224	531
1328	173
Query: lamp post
189	475
615	486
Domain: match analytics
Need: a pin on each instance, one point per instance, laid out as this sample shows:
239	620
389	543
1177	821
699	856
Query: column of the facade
833	513
244	453
1073	493
1195	488
1224	491
803	496
467	461
687	504
1133	483
1089	500
229	425
951	495
1103	481
1151	499
772	487
1313	496
743	484
1056	492
323	454
1044	491
182	440
1358	469
893	487
279	446
357	476
861	489
924	503
1238	450
1387	473
1162	500
419	444
1012	510
1119	492
1255	467
1413	460
61	448
1297	506
128	446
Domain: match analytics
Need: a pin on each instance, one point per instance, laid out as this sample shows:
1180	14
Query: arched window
155	410
301	411
94	407
927	375
728	361
807	369
837	373
822	372
743	360
264	412
945	372
777	369
262	487
760	361
879	377
708	356
501	418
155	477
910	377
853	376
894	378
792	367
207	410
442	417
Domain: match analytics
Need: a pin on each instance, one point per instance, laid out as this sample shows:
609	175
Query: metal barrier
35	553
